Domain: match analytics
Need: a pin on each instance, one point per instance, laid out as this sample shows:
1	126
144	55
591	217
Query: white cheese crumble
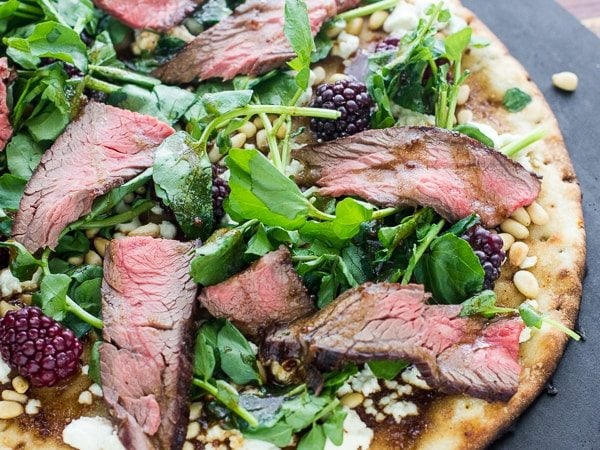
403	19
9	284
399	410
4	371
525	335
346	45
91	433
413	376
365	382
255	444
357	436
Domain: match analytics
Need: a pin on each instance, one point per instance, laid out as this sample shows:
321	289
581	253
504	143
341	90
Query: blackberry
389	44
38	347
488	248
220	191
348	96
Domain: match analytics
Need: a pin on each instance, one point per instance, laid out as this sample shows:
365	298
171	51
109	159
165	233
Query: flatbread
448	422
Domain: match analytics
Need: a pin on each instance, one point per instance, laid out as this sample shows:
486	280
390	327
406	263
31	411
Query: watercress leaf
219	257
226	393
387	369
357	262
48	123
459	228
48	40
52	296
102	51
183	180
204	355
327	290
323	45
450	271
335	380
259	244
260	191
515	100
475	133
301	411
383	116
334	426
277	90
299	34
23	155
531	317
313	231
456	43
237	358
75	242
349	214
72	13
173	102
94	363
84	273
313	440
222	102
482	304
11	191
279	434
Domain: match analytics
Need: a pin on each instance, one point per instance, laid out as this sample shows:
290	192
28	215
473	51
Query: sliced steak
158	15
102	149
268	293
390	321
5	126
452	173
148	300
250	42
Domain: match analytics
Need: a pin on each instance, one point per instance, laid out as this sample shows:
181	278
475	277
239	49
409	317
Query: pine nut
193	430
33	407
526	284
100	245
20	384
281	132
238	140
518	253
141	190
521	216
332	32
567	81
380	417
90	233
352	400
85	398
464	116
195	411
538	214
75	260
258	123
127	227
261	140
188	446
6	307
354	26
529	262
93	258
508	240
320	74
214	155
167	230
150	229
96	390
249	129
337	77
463	94
129	198
377	20
26	299
519	231
14	396
10	410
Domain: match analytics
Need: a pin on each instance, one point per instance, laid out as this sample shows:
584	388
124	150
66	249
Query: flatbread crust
451	422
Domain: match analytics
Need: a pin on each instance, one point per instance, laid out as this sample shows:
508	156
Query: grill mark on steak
391	321
452	173
268	293
250	42
102	149
148	300
158	15
5	126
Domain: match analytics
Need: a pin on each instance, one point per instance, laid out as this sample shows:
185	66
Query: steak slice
452	173
102	149
5	126
250	42
148	300
158	15
390	321
268	293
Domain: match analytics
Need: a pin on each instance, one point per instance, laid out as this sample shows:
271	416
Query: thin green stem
234	407
318	214
44	261
116	73
272	141
382	213
420	250
36	11
327	410
304	258
561	327
83	314
126	216
99	85
513	148
368	9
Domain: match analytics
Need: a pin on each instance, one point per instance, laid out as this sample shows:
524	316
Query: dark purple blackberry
220	191
488	248
38	347
349	97
389	44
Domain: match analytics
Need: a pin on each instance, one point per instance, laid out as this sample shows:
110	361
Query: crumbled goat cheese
92	433
399	410
294	168
167	230
455	24
346	45
365	382
413	376
357	436
525	335
255	444
4	371
403	19
9	284
344	389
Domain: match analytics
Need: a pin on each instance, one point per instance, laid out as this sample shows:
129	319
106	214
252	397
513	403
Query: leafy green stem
420	250
561	327
233	406
99	85
272	142
513	148
327	410
126	216
368	9
83	314
318	214
382	213
116	73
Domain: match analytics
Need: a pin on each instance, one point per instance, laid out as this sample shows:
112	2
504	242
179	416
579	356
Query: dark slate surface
547	39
